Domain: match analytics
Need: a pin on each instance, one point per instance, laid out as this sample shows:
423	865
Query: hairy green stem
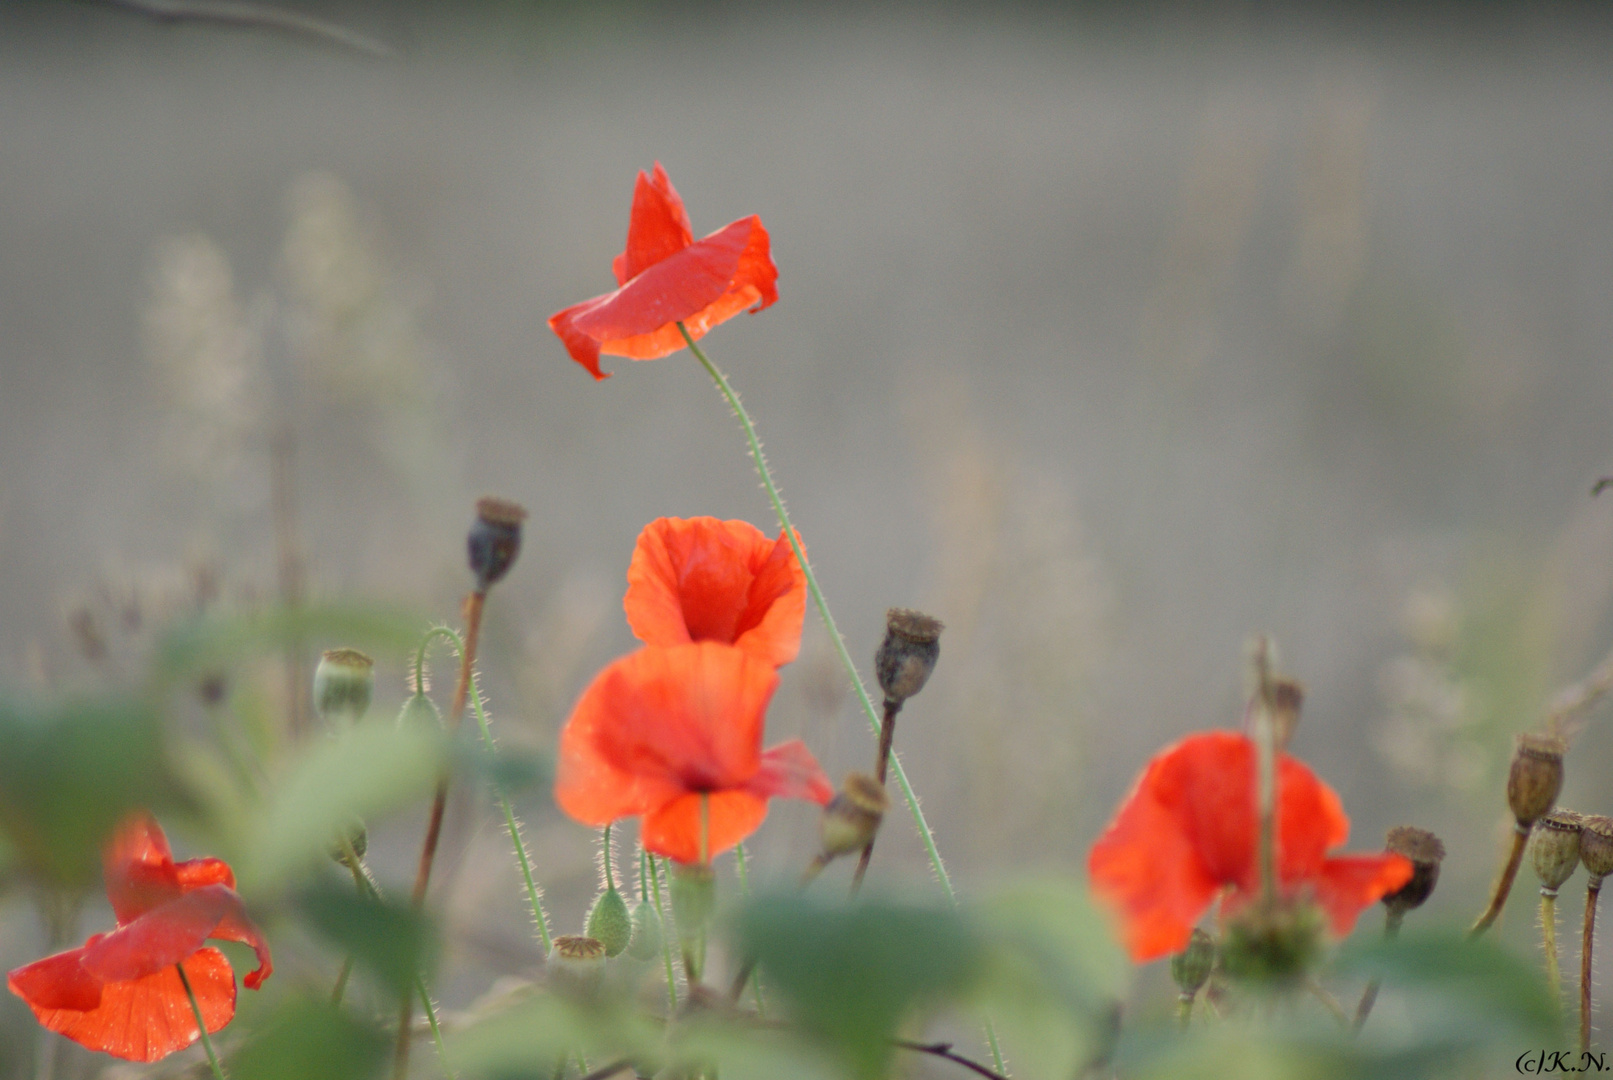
666	940
746	972
201	1025
822	605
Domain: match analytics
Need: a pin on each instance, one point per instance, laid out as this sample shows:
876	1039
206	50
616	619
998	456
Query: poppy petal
149	1018
658	228
194	873
675	288
139	867
673	830
701	579
1348	883
167	934
789	771
57	982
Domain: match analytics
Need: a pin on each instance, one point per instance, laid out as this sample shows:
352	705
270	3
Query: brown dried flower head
907	655
853	816
1536	777
1596	846
1555	848
1425	852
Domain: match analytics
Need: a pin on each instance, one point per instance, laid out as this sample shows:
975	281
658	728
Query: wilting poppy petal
665	278
674	829
149	1018
167	934
789	771
1190	828
658	227
57	982
139	867
702	579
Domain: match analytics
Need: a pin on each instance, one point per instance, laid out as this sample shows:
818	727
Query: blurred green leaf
67	775
748	1052
361	772
511	770
311	1040
395	941
529	1039
853	972
1055	977
205	643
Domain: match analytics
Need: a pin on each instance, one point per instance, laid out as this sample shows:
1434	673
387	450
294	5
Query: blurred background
1110	335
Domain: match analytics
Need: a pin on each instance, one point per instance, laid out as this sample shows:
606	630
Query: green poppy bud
420	712
1191	967
609	922
646	941
343	683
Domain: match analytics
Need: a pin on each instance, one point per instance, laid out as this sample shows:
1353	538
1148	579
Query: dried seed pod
1535	778
1596	846
494	540
1425	852
1287	696
343	683
1191	967
1555	848
852	817
908	654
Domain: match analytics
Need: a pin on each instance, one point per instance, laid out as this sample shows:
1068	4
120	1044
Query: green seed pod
1191	967
852	817
694	897
1555	848
609	922
646	941
420	711
576	963
343	683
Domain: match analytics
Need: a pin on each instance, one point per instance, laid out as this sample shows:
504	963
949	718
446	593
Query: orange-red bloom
119	992
1190	828
709	580
666	276
664	727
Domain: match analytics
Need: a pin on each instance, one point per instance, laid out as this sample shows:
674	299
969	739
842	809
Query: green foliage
359	773
208	642
531	1038
853	973
311	1040
394	941
68	773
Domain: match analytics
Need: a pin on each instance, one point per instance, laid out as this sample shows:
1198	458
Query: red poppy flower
662	728
666	276
1190	828
119	992
709	580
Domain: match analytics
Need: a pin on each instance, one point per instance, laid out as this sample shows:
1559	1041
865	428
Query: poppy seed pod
1555	848
852	817
1535	778
1191	967
609	922
343	683
1596	846
576	963
908	654
1425	852
494	540
646	940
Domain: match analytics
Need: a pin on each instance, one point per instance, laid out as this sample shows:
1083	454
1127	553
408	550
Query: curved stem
201	1025
1503	884
445	633
839	642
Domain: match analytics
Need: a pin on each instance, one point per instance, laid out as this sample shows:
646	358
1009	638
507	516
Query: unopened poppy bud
494	540
420	713
646	941
1278	943
609	922
358	837
1555	848
343	683
908	654
694	896
1191	967
1535	778
1596	846
576	963
1424	851
852	817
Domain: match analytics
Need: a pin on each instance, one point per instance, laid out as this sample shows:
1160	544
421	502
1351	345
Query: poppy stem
822	604
1548	940
1592	892
201	1025
604	845
666	938
887	737
1369	996
746	969
1266	749
1503	884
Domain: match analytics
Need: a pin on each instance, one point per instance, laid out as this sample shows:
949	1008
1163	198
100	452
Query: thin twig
1503	884
1575	699
255	16
944	1050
